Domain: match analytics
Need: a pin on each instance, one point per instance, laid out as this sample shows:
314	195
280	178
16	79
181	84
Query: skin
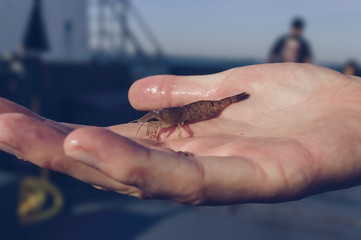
298	134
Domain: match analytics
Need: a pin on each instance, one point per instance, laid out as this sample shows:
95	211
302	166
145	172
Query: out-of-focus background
74	60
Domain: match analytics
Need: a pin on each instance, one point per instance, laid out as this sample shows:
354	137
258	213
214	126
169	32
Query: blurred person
292	47
351	68
285	142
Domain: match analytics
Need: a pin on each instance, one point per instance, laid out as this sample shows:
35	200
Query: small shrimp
193	112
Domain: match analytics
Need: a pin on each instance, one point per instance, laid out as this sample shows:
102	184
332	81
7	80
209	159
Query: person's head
297	26
350	68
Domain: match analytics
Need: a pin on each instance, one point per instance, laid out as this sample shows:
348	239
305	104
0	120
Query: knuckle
194	194
56	164
130	175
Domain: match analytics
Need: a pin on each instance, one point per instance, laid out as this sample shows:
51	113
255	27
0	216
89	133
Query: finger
169	90
265	80
7	106
37	142
158	174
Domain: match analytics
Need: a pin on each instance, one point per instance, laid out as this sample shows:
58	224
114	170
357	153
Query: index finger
161	91
165	174
7	106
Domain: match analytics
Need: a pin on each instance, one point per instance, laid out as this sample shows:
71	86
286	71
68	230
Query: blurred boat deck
94	214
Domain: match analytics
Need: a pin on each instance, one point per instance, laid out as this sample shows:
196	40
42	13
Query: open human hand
298	134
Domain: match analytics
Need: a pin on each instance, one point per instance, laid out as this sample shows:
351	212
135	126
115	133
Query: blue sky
242	29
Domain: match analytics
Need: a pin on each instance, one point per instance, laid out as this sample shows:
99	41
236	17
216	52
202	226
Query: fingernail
84	157
10	150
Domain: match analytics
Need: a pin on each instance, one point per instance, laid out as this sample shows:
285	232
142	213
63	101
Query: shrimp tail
206	109
235	98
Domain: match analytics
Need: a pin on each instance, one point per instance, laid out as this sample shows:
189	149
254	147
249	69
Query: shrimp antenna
139	128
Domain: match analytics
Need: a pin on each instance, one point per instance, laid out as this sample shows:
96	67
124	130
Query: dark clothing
300	50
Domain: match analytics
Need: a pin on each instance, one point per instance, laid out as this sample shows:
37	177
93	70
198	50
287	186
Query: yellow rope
35	194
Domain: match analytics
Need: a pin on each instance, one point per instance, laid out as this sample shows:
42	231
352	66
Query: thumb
161	91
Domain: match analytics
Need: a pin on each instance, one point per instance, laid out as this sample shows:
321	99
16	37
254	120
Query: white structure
65	23
79	29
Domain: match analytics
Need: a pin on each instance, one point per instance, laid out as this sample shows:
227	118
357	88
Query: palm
296	135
